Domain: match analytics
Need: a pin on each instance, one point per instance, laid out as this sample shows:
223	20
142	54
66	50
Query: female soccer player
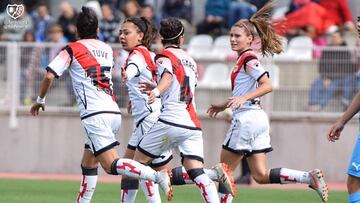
90	64
353	180
136	37
178	125
248	135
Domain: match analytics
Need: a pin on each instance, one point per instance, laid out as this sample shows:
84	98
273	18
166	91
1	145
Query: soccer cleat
318	184
163	179
225	177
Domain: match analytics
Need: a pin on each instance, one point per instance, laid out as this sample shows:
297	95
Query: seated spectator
42	22
67	20
178	8
324	15
337	73
109	24
214	22
239	10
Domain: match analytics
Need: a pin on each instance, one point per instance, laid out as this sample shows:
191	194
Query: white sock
151	191
135	169
128	196
294	176
207	187
87	188
212	174
225	198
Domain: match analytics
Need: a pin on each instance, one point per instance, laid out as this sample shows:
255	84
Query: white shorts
100	132
164	136
140	130
248	133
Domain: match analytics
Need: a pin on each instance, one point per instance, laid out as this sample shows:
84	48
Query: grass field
44	191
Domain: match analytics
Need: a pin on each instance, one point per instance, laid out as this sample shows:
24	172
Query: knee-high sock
129	188
133	169
180	176
206	185
151	191
87	185
286	176
225	197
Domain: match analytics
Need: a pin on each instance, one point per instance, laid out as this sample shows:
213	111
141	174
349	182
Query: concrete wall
53	143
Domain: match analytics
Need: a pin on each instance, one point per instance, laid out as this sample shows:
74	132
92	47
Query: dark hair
171	29
87	24
146	27
260	25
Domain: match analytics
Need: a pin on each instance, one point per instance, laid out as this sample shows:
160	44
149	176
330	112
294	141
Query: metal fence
296	82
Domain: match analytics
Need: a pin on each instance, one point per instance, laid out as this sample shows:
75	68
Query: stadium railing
22	66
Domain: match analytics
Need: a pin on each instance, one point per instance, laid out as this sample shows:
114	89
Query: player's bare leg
353	186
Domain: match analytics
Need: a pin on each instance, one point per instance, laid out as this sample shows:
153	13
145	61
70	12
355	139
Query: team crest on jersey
15	10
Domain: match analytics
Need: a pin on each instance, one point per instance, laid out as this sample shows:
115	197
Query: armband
40	100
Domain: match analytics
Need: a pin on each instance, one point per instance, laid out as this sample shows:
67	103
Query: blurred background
314	79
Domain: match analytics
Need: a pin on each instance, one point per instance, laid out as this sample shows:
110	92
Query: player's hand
335	131
214	109
151	97
35	109
146	87
236	102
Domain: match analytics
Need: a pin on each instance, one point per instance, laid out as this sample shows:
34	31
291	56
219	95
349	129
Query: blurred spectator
215	18
131	8
337	73
178	8
109	24
148	12
67	20
14	29
258	3
95	6
323	15
42	22
239	9
358	64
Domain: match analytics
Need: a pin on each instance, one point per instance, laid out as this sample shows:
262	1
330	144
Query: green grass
43	191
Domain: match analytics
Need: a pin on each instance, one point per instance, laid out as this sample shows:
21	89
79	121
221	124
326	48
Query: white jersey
138	70
178	101
90	64
245	76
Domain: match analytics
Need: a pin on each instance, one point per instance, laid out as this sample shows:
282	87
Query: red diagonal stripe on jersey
83	55
179	72
239	65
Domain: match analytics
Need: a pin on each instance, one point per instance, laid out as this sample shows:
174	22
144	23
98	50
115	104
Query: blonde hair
260	25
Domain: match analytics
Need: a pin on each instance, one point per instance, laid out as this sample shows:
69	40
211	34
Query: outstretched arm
40	101
335	130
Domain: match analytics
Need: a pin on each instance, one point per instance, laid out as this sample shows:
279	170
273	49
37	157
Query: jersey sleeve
255	69
60	63
164	64
134	65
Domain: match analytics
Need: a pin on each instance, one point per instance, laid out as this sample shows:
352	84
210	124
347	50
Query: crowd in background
317	19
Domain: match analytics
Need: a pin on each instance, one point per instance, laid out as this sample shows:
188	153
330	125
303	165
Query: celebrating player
248	135
90	63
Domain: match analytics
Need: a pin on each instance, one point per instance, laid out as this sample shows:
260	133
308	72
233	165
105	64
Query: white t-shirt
90	64
137	71
178	101
245	76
